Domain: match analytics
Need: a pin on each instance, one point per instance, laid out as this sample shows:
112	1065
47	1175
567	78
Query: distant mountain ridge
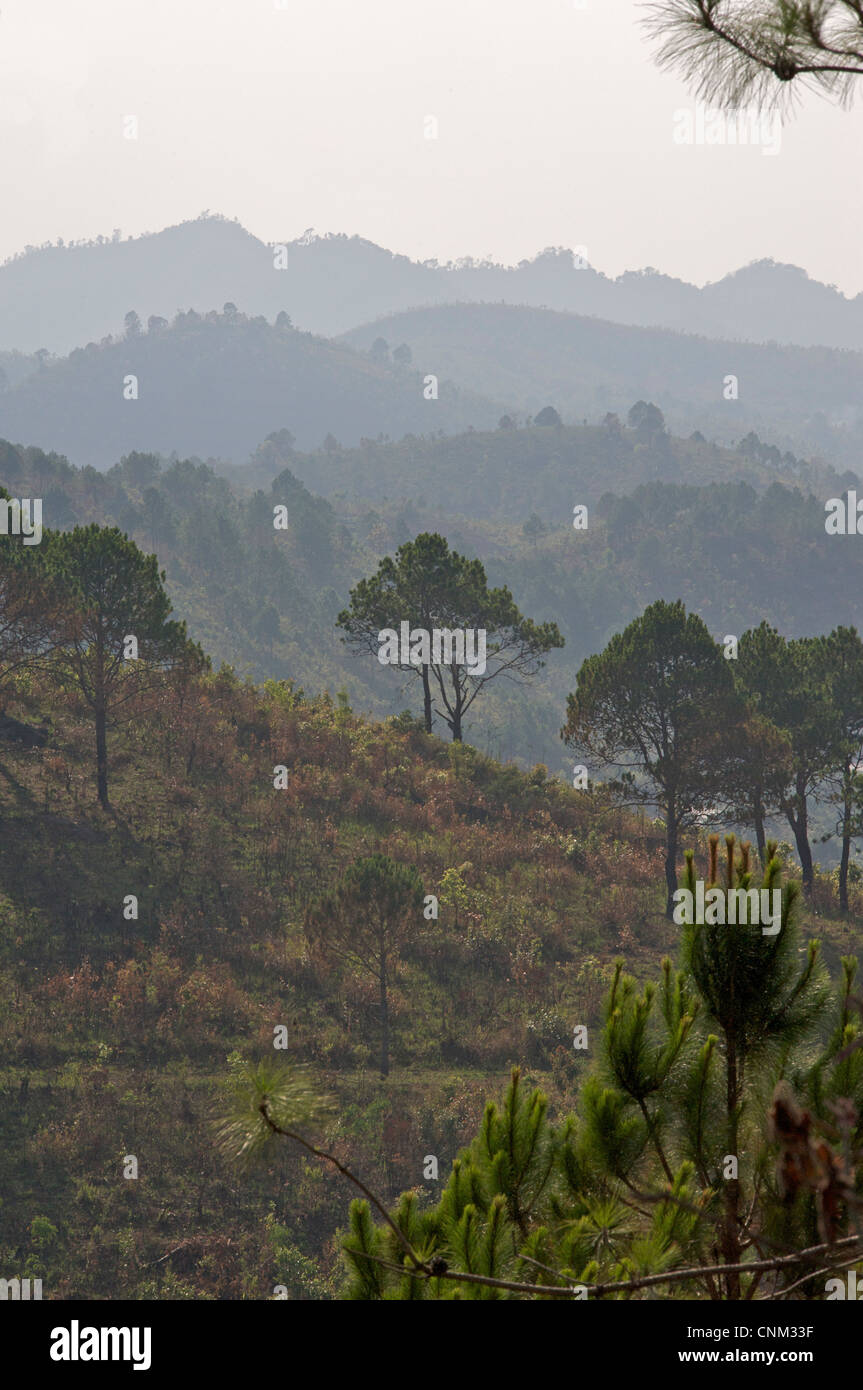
62	296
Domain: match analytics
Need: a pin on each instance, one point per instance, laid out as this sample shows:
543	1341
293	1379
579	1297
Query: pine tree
114	593
376	906
432	587
788	684
761	1002
658	705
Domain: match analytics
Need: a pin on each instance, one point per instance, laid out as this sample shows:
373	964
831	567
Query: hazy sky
554	128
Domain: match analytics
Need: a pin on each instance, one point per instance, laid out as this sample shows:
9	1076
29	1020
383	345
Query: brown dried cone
808	1162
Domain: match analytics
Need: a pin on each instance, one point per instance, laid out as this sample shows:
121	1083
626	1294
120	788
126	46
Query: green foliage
281	1092
754	988
295	1272
515	1212
657	702
737	52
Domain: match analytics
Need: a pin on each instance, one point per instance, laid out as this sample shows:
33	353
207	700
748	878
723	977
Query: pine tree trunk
798	819
427	700
846	847
455	721
102	756
670	860
385	1020
760	837
731	1186
100	711
804	851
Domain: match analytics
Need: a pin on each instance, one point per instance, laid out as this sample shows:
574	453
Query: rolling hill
214	386
806	398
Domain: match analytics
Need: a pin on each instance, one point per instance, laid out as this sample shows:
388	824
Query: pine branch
346	1172
437	1269
755	1267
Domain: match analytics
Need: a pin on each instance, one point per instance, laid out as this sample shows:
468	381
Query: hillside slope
214	386
118	1036
805	398
507	474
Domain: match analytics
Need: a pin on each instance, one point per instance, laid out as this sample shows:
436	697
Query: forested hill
804	398
266	601
214	385
60	296
509	473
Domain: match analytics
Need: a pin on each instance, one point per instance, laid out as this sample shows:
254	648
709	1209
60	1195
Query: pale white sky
555	128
